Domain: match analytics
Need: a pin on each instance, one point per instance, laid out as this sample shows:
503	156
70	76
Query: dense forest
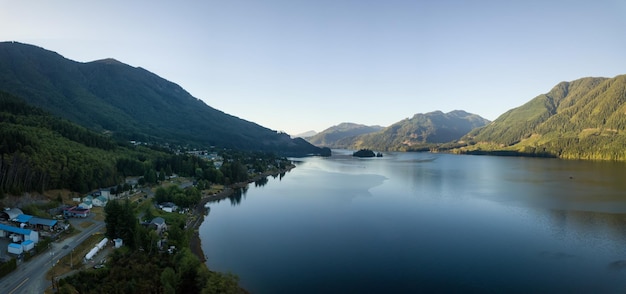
39	151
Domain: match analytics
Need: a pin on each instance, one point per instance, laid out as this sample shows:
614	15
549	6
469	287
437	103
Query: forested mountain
582	119
332	136
421	132
131	103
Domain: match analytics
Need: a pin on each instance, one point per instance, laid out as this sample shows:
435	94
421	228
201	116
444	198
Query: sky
296	65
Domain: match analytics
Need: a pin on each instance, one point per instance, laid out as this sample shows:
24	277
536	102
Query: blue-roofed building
28	245
15	248
18	234
23	218
42	223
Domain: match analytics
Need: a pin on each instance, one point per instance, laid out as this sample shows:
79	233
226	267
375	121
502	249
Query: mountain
332	136
129	102
581	119
305	135
421	132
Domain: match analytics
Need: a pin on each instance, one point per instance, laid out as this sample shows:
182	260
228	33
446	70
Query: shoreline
195	243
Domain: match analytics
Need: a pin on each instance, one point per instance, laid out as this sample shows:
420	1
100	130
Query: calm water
419	222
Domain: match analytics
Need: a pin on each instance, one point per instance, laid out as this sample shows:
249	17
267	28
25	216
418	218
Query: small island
366	153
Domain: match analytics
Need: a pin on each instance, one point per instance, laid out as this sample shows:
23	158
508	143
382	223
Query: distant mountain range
421	132
305	135
335	135
130	103
582	119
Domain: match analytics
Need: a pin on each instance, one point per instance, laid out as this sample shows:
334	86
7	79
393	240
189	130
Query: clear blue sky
307	65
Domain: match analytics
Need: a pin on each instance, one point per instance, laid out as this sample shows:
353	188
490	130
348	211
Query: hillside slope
132	103
581	119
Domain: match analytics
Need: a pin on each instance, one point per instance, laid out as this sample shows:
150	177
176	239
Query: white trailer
102	243
91	253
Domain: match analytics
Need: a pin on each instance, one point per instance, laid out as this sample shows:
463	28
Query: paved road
30	277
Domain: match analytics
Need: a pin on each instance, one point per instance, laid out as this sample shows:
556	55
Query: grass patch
85	224
98	213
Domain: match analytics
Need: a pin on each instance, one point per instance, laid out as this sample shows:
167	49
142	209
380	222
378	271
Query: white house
106	194
100	201
87	202
168	207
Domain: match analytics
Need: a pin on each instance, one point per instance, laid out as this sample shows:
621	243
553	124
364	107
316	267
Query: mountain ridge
421	132
331	136
131	102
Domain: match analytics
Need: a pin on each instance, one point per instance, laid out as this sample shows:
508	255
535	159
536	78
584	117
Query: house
106	194
168	206
75	212
100	201
87	202
158	223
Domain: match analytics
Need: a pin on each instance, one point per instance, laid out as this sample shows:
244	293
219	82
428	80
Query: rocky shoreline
195	243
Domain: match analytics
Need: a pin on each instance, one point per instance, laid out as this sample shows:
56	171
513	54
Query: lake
422	222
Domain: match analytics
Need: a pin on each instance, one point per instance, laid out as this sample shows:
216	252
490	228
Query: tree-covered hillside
131	103
582	119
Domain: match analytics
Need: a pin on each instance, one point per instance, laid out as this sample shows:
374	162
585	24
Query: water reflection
237	195
261	182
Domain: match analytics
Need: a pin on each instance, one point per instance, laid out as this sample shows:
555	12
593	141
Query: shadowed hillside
131	103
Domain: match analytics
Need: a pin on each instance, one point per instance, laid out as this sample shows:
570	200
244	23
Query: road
30	276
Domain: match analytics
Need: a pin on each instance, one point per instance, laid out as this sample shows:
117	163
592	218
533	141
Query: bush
8	267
